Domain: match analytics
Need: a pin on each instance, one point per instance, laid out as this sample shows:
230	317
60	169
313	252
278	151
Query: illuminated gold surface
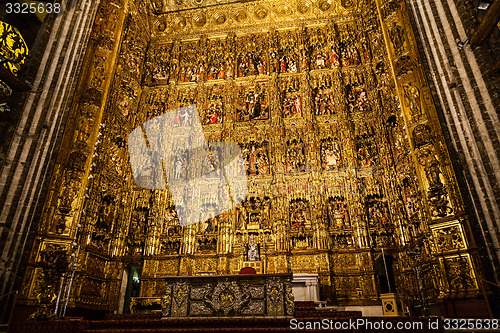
362	166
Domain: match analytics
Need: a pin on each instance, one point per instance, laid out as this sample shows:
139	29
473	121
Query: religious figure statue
397	38
412	99
208	166
213	114
262	163
242	216
330	213
300	214
265	215
230	68
179	166
330	153
253	253
340	215
431	167
334	58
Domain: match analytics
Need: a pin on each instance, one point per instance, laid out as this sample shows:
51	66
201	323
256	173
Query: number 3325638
24	8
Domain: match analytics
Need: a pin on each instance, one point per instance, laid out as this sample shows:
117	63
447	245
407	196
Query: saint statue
412	99
253	250
397	37
242	217
431	167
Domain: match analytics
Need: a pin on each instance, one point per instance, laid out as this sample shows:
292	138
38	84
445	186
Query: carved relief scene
295	156
357	100
291	97
321	51
337	213
252	101
324	92
287	54
349	46
219	65
377	212
254	213
331	155
191	67
252	55
300	214
160	65
256	158
214	105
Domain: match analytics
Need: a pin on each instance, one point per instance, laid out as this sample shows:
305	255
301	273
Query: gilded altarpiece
340	140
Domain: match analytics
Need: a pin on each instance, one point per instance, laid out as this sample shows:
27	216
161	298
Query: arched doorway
130	287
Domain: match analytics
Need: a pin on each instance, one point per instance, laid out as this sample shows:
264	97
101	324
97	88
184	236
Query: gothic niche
366	150
216	68
252	102
69	192
158	65
256	158
421	136
137	232
171	225
347	49
214	106
206	244
170	239
301	241
291	101
182	118
337	213
190	68
300	214
382	237
396	34
432	169
133	46
186	97
377	212
253	251
105	215
156	103
211	165
241	216
331	157
357	99
342	239
295	156
252	55
210	225
366	153
412	100
115	155
319	51
410	198
254	213
287	55
170	245
126	98
437	193
100	234
181	160
323	95
304	50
